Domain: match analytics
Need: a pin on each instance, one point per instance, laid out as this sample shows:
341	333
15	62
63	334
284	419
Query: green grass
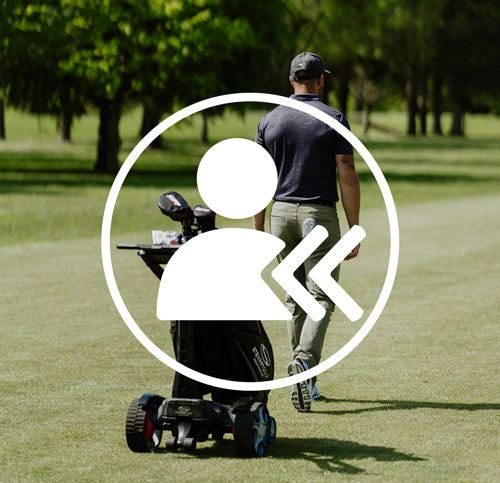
418	400
36	172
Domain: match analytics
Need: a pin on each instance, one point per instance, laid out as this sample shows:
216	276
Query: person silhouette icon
217	275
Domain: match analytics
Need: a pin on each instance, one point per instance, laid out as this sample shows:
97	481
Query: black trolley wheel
189	445
171	444
272	430
142	436
252	431
218	435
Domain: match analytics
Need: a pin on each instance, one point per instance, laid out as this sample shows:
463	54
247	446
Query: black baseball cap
311	64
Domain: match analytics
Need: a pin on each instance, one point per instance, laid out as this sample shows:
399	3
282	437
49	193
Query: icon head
237	178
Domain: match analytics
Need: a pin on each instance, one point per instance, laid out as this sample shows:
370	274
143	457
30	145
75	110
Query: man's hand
353	254
258	220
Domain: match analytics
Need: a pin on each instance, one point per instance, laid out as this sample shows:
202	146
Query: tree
2	119
31	49
443	51
227	48
406	41
340	32
448	45
366	89
61	52
469	61
162	53
107	47
347	36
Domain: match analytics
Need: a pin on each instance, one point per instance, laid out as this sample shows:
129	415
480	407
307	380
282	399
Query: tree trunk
437	97
422	104
325	94
204	128
108	144
65	122
358	104
422	114
458	120
365	124
151	116
2	119
342	93
411	104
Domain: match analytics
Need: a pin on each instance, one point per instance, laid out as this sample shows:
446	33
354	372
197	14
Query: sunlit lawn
416	401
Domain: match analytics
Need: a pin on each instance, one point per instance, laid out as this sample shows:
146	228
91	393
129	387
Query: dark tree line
435	54
60	56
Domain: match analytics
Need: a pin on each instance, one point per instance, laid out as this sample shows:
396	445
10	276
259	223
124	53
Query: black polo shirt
304	150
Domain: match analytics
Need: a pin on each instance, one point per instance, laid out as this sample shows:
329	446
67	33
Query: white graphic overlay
283	273
237	178
372	317
228	284
321	273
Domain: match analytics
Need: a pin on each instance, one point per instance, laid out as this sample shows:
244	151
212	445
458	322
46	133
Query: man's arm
349	192
258	220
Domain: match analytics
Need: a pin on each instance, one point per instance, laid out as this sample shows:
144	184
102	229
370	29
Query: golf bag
233	351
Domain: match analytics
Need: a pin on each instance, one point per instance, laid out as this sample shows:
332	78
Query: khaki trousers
287	223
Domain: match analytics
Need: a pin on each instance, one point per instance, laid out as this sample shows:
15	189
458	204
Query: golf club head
177	208
205	218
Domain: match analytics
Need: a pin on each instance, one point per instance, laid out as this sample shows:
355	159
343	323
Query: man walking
308	155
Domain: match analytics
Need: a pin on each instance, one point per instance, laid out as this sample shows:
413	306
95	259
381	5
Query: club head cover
175	206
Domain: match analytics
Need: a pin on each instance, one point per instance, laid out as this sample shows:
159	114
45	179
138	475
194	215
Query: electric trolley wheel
189	445
218	435
272	430
171	444
252	431
142	436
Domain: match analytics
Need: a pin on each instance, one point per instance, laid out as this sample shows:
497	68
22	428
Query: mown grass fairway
418	400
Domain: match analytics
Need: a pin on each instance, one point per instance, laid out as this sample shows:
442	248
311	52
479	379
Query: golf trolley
237	351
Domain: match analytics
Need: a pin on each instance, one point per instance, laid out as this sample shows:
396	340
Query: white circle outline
231	99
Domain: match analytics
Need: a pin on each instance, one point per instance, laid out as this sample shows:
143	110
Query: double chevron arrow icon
320	273
233	253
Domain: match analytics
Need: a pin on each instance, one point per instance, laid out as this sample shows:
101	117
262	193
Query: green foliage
30	52
61	52
111	49
67	54
444	45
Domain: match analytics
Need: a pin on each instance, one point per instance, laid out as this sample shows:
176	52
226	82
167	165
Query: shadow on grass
21	181
395	405
437	143
429	178
335	456
330	455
